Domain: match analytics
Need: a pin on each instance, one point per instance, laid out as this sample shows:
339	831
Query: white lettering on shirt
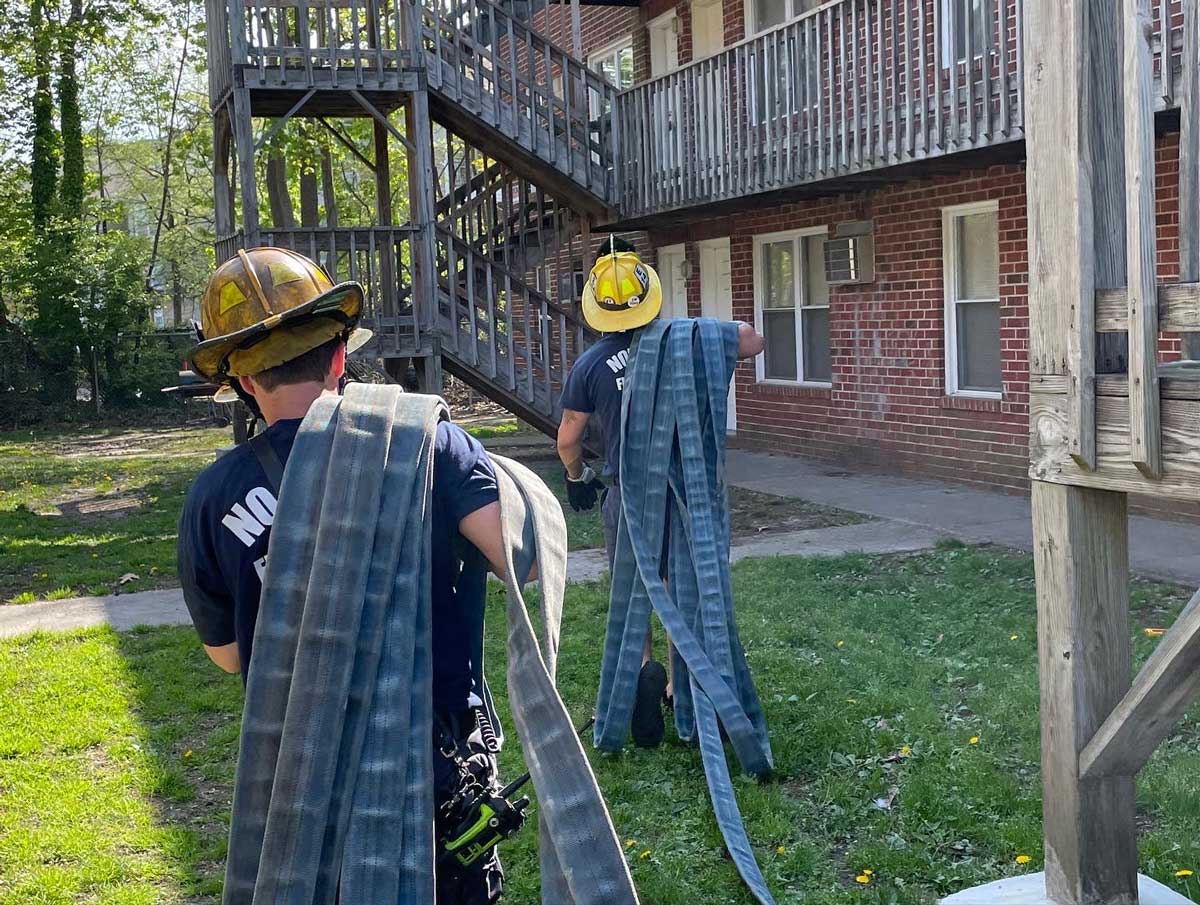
620	384
247	527
616	364
261	502
260	567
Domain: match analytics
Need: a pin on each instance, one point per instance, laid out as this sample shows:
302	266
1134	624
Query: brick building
922	368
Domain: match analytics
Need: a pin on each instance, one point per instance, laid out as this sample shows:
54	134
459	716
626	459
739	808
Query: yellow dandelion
780	850
905	751
644	855
1012	637
841	644
1023	859
869	872
974	739
851	701
187	753
864	879
630	843
1183	873
1154	632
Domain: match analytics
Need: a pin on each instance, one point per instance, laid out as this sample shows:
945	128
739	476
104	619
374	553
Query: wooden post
222	190
1082	561
243	142
421	210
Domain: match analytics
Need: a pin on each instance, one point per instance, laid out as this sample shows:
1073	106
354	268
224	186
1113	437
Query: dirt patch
752	513
138	442
90	507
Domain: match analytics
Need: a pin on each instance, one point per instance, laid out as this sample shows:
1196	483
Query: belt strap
673	417
333	794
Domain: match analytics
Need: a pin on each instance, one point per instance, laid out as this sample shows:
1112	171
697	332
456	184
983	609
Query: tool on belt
484	816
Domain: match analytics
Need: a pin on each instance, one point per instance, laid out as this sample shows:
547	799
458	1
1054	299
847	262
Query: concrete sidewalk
1158	548
166	607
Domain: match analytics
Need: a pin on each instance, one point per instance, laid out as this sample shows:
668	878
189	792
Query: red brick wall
887	405
599	26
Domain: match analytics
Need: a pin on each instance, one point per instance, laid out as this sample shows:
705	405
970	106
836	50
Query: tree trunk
167	150
71	189
309	208
331	212
280	201
43	174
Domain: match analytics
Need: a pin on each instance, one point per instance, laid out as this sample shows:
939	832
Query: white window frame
612	49
720	6
951	300
800	293
668	20
949	12
752	28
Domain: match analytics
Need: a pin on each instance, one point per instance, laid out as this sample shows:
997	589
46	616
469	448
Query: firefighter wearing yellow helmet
267	306
622	294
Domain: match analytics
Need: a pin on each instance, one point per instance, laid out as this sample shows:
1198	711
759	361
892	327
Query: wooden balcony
834	97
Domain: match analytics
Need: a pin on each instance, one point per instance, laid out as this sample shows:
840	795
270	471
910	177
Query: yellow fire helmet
621	293
267	306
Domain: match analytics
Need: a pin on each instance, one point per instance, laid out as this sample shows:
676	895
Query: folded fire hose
334	787
673	422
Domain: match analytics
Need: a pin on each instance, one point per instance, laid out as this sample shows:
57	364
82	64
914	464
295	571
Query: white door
708	28
716	296
674	286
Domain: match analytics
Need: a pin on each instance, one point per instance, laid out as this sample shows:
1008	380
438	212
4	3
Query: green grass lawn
901	695
95	511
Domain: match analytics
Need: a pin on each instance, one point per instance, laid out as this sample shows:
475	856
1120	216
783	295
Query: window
792	305
971	261
615	62
764	14
966	29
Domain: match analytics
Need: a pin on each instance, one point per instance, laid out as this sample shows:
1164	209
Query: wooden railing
524	86
494	322
379	257
322	42
852	86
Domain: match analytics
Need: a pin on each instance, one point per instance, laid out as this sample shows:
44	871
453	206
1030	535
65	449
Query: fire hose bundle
333	795
673	423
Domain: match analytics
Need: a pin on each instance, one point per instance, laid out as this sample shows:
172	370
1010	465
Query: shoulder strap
265	453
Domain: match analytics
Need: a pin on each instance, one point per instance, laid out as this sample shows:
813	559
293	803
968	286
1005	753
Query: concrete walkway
166	607
911	515
1158	548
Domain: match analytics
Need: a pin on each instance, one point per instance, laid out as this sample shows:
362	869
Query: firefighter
622	294
275	327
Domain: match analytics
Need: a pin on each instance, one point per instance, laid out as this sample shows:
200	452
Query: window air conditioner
850	254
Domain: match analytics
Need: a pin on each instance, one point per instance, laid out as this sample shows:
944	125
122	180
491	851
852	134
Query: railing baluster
493	337
867	138
1004	77
843	118
908	77
515	95
880	81
469	260
924	83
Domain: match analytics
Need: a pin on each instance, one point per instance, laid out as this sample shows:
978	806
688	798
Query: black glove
583	491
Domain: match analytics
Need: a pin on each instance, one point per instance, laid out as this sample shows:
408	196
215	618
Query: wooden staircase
500	84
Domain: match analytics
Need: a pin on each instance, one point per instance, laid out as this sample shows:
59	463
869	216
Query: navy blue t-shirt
226	524
594	386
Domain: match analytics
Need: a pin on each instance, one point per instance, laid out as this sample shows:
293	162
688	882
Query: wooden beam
1146	449
243	143
380	118
1162	692
1061	258
1180	413
1178	309
346	143
1082	562
283	120
1189	158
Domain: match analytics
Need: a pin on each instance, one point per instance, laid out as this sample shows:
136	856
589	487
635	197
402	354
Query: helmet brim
342	304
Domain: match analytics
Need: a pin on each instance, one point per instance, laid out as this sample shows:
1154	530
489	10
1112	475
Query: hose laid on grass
673	421
334	787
